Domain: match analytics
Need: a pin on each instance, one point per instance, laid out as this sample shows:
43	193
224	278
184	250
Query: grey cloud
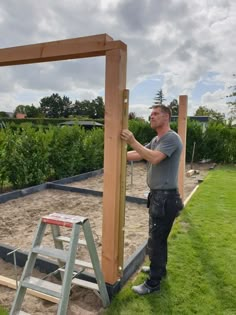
185	50
7	80
20	22
192	50
28	22
134	15
140	16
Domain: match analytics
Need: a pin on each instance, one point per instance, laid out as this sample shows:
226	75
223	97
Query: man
164	202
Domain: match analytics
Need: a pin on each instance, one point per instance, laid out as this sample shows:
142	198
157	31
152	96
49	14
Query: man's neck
162	130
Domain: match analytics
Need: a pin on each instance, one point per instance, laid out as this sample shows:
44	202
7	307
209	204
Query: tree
54	106
67	106
29	110
32	111
232	103
202	111
174	107
132	115
215	115
4	115
98	107
19	109
159	98
93	109
81	108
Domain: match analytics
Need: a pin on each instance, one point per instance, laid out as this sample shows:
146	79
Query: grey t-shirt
164	175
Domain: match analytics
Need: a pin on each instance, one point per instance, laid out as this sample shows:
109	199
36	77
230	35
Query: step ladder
67	262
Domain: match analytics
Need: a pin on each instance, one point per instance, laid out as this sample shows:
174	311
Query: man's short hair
164	109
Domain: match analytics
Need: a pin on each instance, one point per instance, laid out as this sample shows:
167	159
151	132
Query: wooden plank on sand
10	283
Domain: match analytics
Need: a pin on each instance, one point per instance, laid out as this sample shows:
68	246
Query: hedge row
217	143
42	121
29	155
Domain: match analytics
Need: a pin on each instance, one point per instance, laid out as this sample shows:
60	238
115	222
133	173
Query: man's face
158	118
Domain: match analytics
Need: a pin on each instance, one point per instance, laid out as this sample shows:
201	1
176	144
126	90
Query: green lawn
202	257
2	311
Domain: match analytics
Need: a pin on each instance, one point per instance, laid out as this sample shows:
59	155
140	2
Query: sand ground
19	219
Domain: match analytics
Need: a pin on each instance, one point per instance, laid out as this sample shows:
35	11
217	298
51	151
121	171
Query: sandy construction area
19	220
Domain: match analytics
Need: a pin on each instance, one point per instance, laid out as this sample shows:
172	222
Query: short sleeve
169	144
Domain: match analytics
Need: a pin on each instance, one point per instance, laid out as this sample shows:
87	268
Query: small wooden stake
123	186
182	131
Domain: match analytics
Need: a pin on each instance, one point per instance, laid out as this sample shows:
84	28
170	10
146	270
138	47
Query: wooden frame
115	84
116	118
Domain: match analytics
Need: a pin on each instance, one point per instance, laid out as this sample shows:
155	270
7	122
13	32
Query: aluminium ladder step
42	286
67	240
85	284
82	283
81	263
84	264
51	252
22	313
60	254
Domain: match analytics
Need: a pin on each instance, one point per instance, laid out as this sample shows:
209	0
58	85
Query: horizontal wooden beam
81	47
116	44
10	283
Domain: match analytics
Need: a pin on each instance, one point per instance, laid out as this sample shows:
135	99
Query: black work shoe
146	269
143	289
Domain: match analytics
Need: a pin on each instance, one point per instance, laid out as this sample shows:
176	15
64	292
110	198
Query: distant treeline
55	106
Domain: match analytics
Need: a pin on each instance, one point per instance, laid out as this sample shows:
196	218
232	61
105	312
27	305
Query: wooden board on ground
10	283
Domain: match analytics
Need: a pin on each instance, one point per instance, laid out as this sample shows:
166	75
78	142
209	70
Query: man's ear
167	116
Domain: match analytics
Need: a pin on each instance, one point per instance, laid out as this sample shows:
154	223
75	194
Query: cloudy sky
179	46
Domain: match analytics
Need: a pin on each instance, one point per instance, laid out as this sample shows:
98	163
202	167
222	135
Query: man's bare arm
154	157
133	156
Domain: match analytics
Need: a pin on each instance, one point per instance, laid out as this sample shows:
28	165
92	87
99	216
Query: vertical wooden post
121	236
182	131
115	84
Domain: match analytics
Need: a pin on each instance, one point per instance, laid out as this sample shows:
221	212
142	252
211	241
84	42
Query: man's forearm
133	156
154	157
141	152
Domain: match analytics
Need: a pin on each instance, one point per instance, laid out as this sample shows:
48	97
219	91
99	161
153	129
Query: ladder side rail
69	268
56	233
96	264
58	244
29	266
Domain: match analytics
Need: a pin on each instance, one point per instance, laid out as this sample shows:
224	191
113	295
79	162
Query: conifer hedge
30	155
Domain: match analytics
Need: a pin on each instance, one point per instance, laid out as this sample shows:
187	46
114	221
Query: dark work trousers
164	206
